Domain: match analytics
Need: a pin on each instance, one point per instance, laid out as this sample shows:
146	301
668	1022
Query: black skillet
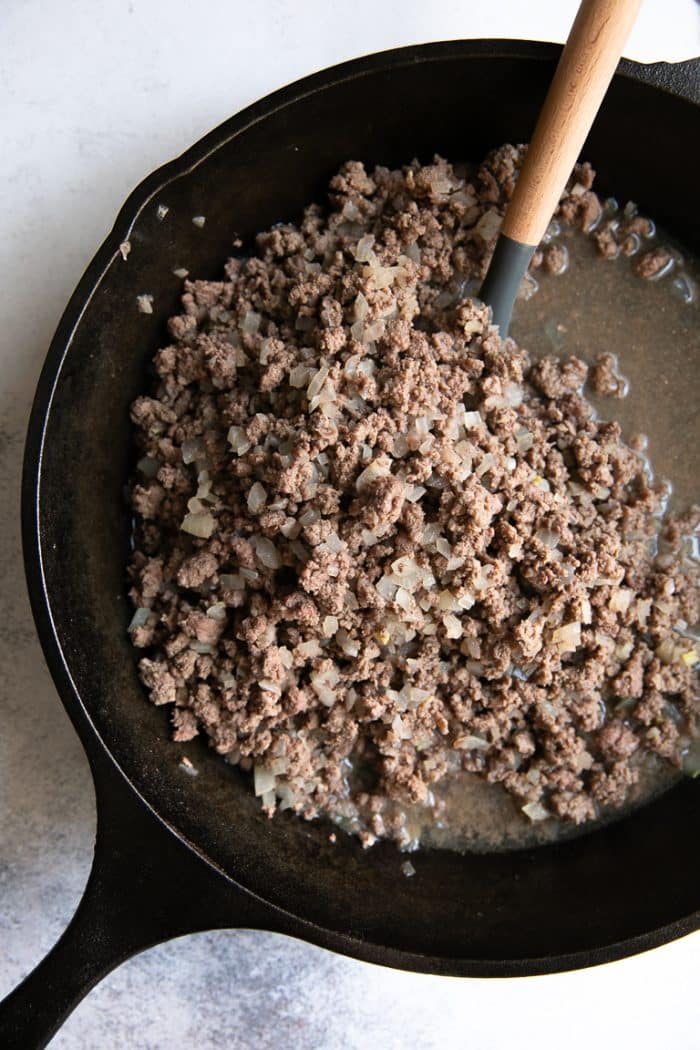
177	853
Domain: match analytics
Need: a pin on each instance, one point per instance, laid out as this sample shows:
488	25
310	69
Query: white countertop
94	96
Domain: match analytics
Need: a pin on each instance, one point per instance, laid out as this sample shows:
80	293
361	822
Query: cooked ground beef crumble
375	544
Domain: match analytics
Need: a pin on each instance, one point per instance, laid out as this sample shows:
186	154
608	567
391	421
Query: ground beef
653	263
605	379
626	233
555	258
375	545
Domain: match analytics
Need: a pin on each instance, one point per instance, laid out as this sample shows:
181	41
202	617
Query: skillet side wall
619	883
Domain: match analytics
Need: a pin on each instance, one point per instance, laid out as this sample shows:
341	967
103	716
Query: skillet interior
460	99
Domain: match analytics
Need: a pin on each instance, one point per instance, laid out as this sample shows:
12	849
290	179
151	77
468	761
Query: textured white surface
94	96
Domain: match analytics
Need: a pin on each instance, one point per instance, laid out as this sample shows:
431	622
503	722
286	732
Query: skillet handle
144	888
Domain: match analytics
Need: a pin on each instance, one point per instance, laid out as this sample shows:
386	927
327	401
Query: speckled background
94	97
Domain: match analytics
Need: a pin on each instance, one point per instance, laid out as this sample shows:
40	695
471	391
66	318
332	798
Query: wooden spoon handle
585	69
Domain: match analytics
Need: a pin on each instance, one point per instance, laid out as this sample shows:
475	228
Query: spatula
585	69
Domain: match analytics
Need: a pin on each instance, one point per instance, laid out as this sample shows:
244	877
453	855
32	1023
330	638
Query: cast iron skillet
177	853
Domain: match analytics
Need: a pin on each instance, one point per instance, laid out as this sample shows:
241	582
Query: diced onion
386	588
567	637
139	618
329	626
238	440
414	492
453	628
489	225
200	524
363	249
317	382
299	376
263	780
524	439
266	552
448	601
535	811
309	650
472	420
378	468
232	582
191	450
470	742
256	497
513	394
621	599
403	599
251	321
361	307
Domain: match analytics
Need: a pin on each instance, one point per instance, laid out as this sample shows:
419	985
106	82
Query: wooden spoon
583	74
